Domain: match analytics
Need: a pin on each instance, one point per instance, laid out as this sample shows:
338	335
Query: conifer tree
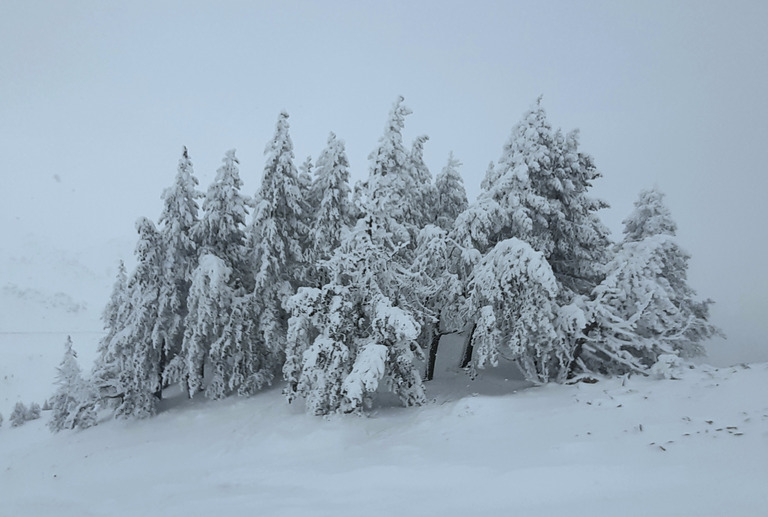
221	230
73	402
331	190
211	299
33	412
18	415
439	278
357	331
581	242
650	217
514	295
137	347
387	190
277	229
421	195
110	358
451	197
306	179
113	313
178	221
278	236
219	278
645	308
538	192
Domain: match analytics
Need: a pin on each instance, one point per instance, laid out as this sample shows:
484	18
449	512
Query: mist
97	100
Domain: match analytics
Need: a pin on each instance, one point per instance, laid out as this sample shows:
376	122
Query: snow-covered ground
489	446
638	446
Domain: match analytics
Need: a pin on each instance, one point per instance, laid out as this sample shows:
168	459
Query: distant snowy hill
45	295
44	289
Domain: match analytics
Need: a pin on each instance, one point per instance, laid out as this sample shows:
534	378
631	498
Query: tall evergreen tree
305	183
451	197
421	195
387	191
216	282
221	230
538	192
278	236
644	307
357	331
178	221
514	295
140	351
211	299
110	359
331	190
278	231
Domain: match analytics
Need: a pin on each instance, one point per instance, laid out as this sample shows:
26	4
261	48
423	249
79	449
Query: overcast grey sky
97	99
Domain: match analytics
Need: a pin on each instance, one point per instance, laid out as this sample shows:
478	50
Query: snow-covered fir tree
220	277
33	412
450	195
18	415
306	179
278	229
137	347
650	217
645	308
421	195
113	314
332	214
581	242
388	192
210	305
110	358
400	196
538	193
514	294
439	277
74	400
278	238
177	223
221	230
508	205
357	331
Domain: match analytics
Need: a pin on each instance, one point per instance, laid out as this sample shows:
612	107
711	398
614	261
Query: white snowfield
491	446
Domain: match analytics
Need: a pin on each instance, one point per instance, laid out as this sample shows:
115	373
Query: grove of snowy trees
343	291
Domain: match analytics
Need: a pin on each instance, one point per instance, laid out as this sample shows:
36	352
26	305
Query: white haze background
98	98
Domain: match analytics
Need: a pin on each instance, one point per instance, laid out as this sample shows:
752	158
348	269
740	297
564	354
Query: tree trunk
591	326
432	357
468	348
160	370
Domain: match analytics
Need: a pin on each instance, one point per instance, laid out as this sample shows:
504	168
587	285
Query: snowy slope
490	446
695	446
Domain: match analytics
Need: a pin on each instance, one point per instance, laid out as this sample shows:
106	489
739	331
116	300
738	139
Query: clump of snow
365	375
669	366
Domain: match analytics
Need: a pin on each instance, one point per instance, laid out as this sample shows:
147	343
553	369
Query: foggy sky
98	98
